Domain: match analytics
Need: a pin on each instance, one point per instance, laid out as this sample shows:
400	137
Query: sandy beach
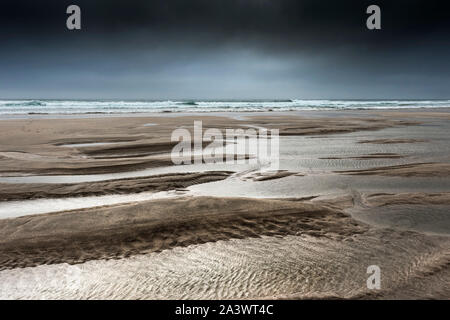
96	204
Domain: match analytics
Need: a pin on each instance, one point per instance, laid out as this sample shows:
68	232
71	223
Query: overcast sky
224	49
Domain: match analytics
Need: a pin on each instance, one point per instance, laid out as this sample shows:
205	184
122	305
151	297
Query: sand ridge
405	170
163	182
123	230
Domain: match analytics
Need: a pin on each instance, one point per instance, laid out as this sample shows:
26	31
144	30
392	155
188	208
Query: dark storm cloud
266	20
225	48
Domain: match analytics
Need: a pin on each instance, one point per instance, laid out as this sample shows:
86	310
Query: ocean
22	107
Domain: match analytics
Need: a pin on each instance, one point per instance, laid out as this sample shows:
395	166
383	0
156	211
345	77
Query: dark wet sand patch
328	127
421	198
368	157
432	169
83	166
392	141
269	175
156	183
129	150
90	140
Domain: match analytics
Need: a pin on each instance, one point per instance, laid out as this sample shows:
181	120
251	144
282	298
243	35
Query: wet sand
35	146
165	182
406	170
391	141
120	231
366	190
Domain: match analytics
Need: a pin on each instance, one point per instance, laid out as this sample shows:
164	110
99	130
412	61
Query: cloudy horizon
224	49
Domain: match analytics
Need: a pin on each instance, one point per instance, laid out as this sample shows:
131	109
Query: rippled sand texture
149	226
353	190
412	266
281	249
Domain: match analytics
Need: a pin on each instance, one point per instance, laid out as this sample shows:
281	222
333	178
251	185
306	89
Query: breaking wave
105	106
22	103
